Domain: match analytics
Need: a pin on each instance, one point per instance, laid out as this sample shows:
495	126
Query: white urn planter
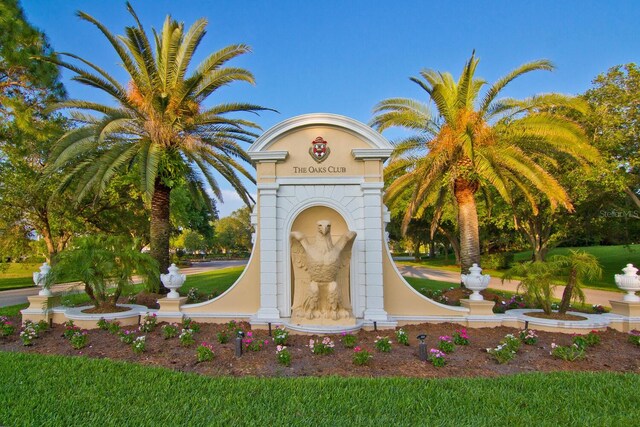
39	278
630	282
476	282
173	281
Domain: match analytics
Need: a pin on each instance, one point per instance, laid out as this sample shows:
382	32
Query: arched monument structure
312	168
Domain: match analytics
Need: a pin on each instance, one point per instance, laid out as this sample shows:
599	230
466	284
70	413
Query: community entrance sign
320	260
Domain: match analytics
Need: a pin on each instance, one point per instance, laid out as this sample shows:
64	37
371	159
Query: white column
268	267
373	244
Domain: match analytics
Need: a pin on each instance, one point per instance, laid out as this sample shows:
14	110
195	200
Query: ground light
239	343
422	347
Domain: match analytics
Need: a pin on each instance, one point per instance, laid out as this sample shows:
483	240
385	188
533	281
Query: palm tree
539	279
472	143
159	126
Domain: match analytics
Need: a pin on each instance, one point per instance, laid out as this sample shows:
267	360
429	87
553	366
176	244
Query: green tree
233	233
539	279
23	78
472	142
160	127
614	125
105	265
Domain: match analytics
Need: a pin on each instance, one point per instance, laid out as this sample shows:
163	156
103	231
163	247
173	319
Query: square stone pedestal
170	309
478	308
39	308
625	308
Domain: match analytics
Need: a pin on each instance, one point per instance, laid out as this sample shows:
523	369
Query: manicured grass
20	275
55	390
434	285
611	258
17	275
13	310
214	280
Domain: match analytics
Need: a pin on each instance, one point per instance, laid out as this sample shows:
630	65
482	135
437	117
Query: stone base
625	308
171	305
39	308
302	321
478	308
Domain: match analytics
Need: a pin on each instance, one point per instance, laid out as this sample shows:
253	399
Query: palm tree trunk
468	223
160	227
568	292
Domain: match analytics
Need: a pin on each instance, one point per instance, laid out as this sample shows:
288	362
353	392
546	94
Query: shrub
113	327
497	261
598	309
283	356
139	345
170	330
102	324
223	337
193	295
280	335
233	328
79	339
186	338
460	337
528	336
361	357
6	327
382	344
41	326
634	337
188	323
105	265
588	340
511	342
205	352
127	337
348	340
437	358
321	347
568	353
402	337
253	344
28	334
502	353
445	344
70	329
148	323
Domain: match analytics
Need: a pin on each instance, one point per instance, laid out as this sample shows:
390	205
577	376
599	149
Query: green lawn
20	275
62	391
16	275
611	258
419	283
210	281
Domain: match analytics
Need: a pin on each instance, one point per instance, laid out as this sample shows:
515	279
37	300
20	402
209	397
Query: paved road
19	296
593	296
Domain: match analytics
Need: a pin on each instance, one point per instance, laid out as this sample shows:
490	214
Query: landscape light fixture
239	343
422	347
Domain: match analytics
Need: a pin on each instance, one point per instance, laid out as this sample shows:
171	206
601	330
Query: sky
344	56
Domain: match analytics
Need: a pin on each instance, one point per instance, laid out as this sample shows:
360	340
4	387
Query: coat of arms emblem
319	150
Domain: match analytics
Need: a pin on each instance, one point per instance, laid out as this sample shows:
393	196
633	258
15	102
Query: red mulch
614	353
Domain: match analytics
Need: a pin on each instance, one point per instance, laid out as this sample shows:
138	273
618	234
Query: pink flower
357	348
249	334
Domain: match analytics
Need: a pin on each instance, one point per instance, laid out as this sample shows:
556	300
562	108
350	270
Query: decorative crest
319	150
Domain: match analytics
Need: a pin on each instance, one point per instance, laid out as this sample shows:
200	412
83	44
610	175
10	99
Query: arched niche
306	222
